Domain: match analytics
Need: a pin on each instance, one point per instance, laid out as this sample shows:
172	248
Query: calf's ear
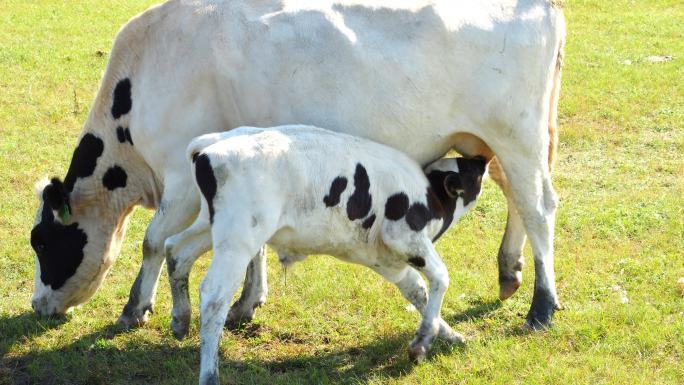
56	196
453	184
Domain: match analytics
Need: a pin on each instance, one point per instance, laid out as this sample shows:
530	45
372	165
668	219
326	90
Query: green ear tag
64	214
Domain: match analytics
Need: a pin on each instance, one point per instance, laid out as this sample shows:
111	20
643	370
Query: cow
306	190
421	76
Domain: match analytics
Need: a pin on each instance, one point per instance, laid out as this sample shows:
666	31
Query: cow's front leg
254	292
179	205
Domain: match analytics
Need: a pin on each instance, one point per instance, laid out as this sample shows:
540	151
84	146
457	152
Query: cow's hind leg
536	202
178	206
412	287
254	292
510	256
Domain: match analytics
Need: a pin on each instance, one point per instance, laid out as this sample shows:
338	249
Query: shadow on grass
98	359
95	359
25	326
479	309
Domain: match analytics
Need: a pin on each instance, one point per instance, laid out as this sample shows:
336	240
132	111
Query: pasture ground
620	234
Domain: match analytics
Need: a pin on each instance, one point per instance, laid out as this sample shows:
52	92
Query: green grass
620	231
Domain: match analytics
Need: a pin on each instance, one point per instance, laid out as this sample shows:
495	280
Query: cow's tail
555	94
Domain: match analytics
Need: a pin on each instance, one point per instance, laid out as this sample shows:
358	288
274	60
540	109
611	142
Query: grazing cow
305	190
420	76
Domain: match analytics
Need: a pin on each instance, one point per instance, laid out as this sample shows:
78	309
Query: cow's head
78	229
457	183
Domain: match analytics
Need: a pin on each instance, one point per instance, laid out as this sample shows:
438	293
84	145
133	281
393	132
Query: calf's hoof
447	334
133	318
509	285
417	352
180	326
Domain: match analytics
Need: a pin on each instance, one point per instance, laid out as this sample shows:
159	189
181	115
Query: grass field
620	234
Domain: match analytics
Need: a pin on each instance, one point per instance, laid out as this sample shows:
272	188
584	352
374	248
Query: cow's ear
452	184
55	196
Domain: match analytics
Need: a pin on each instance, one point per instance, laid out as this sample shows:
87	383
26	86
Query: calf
305	190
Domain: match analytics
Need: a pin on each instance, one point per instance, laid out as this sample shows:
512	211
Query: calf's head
456	183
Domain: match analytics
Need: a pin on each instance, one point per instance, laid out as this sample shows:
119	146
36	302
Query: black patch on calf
448	204
84	160
122	98
336	188
396	206
194	157
418	216
417	262
360	202
470	171
368	222
114	178
59	248
206	180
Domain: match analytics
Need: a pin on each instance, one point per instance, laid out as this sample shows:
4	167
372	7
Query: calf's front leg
437	275
412	287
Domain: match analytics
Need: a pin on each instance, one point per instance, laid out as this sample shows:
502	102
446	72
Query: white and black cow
305	190
420	76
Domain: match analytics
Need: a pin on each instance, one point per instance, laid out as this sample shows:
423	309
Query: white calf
305	190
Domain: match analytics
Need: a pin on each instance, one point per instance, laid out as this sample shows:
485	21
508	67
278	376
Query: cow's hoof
180	326
508	286
237	319
541	312
417	352
241	314
132	319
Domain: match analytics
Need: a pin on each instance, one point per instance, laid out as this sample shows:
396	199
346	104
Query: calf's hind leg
182	250
254	292
236	242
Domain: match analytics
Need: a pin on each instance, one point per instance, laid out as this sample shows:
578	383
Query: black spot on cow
206	180
368	222
59	248
122	98
360	202
194	157
114	178
120	134
55	195
418	216
396	206
417	262
127	132
84	160
336	188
